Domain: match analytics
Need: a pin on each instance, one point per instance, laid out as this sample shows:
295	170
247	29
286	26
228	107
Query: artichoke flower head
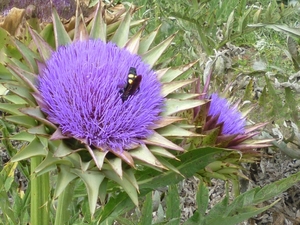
89	102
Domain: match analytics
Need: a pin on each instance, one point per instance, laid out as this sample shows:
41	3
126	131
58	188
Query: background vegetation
255	50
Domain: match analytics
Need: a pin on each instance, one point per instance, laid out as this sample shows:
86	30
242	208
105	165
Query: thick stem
39	195
64	199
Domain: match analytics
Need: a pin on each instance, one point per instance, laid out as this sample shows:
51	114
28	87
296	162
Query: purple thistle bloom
233	121
82	85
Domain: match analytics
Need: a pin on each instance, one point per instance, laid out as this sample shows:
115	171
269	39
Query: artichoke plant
221	124
88	104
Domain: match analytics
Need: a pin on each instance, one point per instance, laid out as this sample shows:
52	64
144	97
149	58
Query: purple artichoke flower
232	120
82	87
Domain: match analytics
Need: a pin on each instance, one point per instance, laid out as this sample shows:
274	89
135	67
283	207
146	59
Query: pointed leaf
133	44
168	165
100	157
50	163
92	181
98	30
147	41
24	121
125	156
44	48
61	35
81	32
175	131
129	174
62	150
39	130
143	154
121	35
28	55
172	73
22	136
154	54
168	88
65	176
116	165
159	151
125	184
103	191
22	92
37	114
35	148
25	77
11	108
167	120
184	96
157	139
173	105
14	99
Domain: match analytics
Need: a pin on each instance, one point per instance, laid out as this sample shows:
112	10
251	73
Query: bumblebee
133	84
